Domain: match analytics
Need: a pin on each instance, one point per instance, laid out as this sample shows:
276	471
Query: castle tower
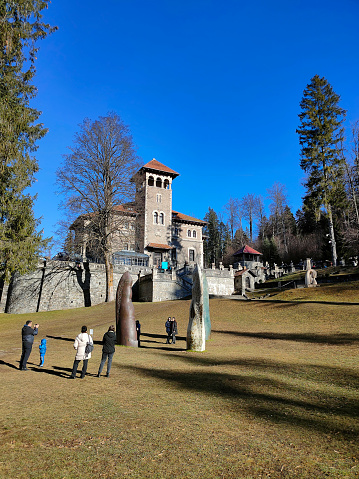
154	207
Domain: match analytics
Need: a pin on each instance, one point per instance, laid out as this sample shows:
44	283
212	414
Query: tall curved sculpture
125	313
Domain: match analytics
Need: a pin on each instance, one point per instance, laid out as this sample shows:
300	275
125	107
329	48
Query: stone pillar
199	325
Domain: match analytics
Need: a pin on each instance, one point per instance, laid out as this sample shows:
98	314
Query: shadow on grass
333	339
9	364
277	401
161	336
72	340
299	301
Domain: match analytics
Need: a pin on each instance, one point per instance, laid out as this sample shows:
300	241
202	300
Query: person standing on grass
168	329
138	331
80	345
108	350
174	330
27	334
42	349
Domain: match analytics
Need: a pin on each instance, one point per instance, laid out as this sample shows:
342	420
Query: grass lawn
275	394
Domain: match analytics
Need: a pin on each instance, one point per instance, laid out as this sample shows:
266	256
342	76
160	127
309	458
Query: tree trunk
333	244
110	296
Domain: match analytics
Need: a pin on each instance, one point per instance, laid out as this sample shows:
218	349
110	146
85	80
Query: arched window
151	181
189	233
155	218
194	234
159	183
166	184
162	219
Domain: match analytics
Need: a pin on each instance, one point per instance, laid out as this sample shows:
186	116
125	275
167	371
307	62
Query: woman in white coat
80	345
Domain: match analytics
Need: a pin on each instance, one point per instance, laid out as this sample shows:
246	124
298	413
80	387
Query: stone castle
158	246
148	232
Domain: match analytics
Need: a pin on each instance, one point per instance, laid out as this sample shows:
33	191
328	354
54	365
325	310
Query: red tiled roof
124	209
156	165
159	246
176	216
246	249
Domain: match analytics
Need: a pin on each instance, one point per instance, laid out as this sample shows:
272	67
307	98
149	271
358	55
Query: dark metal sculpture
125	313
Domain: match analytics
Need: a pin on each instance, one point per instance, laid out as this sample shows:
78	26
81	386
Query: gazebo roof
246	249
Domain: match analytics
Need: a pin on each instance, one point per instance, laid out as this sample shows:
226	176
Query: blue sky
209	88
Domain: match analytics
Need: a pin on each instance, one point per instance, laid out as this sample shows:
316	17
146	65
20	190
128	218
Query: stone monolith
310	275
199	325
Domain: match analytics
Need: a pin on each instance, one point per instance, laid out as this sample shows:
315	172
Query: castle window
159	183
189	233
175	232
166	184
191	255
155	218
162	219
151	181
159	198
194	234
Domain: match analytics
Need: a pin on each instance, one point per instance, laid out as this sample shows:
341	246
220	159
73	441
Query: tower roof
155	165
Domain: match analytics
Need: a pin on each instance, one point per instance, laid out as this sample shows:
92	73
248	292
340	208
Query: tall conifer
321	133
20	28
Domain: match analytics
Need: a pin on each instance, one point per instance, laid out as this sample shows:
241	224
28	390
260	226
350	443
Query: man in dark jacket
108	349
27	341
174	330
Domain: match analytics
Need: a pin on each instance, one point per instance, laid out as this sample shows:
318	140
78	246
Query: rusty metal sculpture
125	313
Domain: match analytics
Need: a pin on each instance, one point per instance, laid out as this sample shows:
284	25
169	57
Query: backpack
89	348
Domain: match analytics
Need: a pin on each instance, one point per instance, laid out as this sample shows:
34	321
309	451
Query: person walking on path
168	329
174	330
108	350
138	331
42	349
80	345
27	334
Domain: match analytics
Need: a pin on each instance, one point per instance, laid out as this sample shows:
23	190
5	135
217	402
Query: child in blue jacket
42	349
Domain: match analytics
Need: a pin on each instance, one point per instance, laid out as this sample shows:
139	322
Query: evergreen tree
212	243
21	27
320	135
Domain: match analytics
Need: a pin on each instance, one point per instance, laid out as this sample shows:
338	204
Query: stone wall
64	285
220	281
61	285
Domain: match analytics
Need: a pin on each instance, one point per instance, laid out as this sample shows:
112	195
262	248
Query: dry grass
275	395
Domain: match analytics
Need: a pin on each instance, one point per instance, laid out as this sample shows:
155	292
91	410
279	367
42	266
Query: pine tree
320	135
21	27
212	243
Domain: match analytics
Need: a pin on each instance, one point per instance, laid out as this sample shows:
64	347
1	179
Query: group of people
171	330
83	345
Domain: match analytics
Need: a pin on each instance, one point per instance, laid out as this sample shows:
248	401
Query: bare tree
277	194
251	206
260	214
96	178
233	213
